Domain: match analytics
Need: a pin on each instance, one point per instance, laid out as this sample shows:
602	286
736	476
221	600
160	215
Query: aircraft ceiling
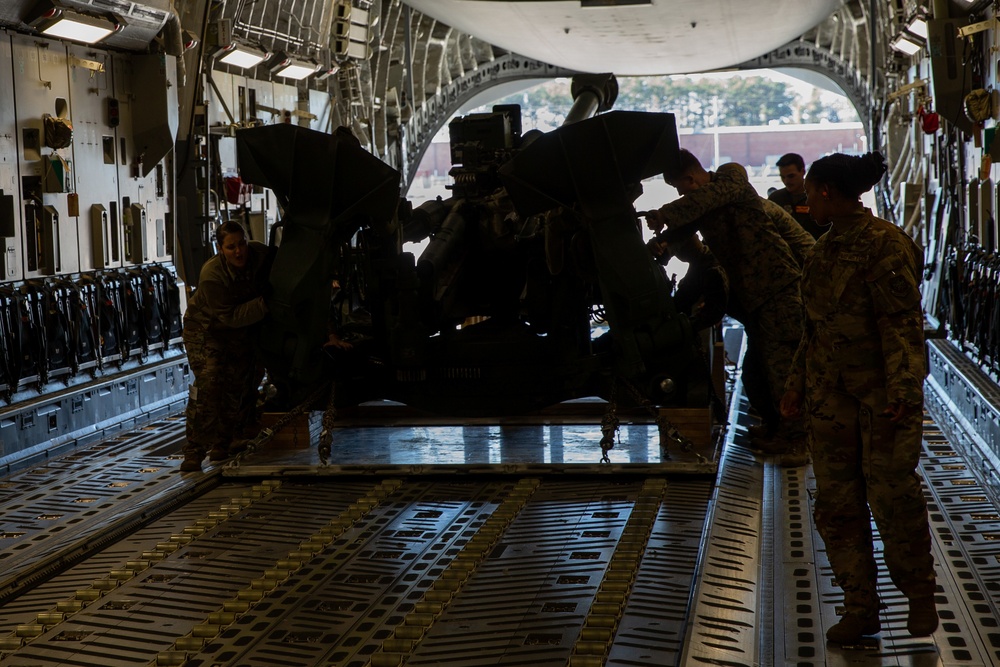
634	37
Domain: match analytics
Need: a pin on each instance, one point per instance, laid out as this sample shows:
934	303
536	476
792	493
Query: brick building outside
755	147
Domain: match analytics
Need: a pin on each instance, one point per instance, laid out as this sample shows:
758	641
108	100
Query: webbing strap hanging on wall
8	356
109	318
150	306
82	331
31	334
173	323
135	328
57	331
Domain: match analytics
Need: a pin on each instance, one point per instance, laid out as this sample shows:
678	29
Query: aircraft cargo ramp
110	557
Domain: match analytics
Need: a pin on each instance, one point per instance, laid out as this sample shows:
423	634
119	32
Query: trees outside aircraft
699	104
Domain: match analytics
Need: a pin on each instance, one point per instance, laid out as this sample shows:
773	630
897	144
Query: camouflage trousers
757	386
222	400
864	462
774	331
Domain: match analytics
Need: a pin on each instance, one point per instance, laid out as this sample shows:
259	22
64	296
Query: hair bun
850	175
873	169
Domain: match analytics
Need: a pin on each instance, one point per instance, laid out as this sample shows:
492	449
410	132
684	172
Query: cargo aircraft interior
527	457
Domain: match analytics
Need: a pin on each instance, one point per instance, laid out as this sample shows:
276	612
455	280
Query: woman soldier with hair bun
858	376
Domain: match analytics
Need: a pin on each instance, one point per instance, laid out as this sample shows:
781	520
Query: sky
803	88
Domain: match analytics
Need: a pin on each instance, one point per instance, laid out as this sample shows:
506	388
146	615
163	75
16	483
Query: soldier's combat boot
191	463
239	446
796	456
923	618
770	445
852	627
760	431
218	454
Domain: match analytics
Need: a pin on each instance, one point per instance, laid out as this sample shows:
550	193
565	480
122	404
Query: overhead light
918	26
906	44
57	21
327	72
293	69
240	55
190	40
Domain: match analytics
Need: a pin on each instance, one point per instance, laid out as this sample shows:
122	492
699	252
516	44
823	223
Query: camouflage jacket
730	216
798	239
228	300
796	206
864	321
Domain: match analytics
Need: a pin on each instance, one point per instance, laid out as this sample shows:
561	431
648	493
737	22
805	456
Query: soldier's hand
656	247
895	412
333	340
655	220
791	405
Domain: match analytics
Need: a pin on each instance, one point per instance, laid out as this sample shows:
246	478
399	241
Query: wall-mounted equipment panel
136	232
46	226
986	213
11	267
224	95
993	231
103	238
154	123
45	155
90	77
972	221
273	100
321	108
249	102
145	108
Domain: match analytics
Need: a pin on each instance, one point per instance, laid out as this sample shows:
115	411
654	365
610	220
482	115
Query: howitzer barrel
446	246
592	94
585	105
426	219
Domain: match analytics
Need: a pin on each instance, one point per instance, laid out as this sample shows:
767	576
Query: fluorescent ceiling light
66	24
918	26
328	72
238	55
294	69
905	44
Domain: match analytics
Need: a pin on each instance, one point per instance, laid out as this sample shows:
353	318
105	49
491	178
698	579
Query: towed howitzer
480	324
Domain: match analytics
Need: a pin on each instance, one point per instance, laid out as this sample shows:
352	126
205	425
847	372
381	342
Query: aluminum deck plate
112	558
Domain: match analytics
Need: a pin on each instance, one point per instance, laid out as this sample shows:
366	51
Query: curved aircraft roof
633	37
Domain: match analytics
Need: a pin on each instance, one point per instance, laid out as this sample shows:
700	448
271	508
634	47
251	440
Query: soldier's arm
797	238
895	291
730	185
792	400
796	381
229	313
245	314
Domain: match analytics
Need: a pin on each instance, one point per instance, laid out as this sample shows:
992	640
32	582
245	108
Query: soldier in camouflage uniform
762	269
792	197
859	374
753	372
798	239
220	348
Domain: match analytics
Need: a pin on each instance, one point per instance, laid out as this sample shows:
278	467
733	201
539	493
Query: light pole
715	122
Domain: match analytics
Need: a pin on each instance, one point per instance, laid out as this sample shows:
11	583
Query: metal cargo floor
504	554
